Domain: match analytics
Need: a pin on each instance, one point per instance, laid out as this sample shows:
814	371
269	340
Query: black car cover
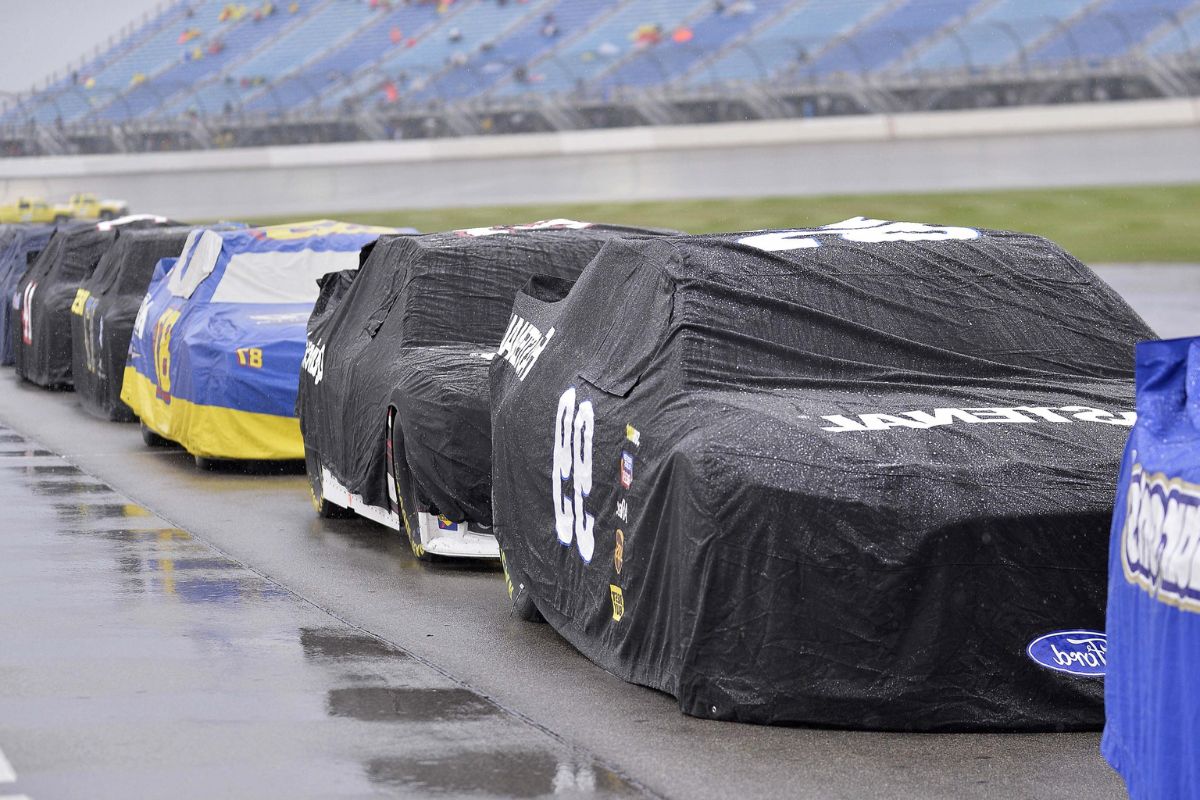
20	245
44	296
104	311
412	331
839	477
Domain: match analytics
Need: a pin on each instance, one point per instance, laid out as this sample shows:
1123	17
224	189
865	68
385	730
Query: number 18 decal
573	462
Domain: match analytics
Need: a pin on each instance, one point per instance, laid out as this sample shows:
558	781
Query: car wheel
406	496
152	439
324	508
524	609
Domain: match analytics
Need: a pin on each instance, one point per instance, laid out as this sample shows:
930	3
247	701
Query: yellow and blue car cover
214	361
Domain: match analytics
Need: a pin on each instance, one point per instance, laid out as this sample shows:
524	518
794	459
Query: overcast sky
38	37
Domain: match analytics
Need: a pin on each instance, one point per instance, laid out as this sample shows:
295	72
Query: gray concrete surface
79	675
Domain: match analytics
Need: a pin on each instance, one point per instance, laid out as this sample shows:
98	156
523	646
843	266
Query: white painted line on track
7	773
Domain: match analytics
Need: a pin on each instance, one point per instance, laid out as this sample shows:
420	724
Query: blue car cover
1152	692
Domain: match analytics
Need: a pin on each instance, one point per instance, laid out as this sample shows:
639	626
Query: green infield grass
1126	224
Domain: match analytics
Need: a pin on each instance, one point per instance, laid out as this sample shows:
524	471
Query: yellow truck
87	206
30	210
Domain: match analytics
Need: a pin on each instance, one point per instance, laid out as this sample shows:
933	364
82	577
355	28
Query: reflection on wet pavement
492	774
135	657
394	704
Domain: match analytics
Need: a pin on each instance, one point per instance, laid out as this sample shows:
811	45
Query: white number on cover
857	229
573	462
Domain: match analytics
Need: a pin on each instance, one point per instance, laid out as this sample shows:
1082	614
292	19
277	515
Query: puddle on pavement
99	510
333	643
387	704
13	438
45	469
499	774
24	452
64	488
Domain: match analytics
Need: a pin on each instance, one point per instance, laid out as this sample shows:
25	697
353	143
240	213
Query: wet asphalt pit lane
499	774
387	704
335	643
13	438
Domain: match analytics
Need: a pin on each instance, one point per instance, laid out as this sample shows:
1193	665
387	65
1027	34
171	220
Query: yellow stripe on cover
212	431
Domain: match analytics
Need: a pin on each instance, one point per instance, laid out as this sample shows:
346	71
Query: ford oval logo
1073	652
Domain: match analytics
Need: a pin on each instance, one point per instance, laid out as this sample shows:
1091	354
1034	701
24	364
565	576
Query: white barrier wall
1145	142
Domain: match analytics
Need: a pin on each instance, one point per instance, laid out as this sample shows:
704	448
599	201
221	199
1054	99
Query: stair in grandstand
703	66
512	83
216	89
386	29
393	62
519	45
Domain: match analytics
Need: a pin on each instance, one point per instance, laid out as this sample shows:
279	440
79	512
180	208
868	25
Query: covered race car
842	476
42	344
20	246
104	310
217	343
1151	697
394	399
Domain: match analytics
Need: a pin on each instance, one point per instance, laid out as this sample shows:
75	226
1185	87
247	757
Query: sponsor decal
77	305
623	510
540	225
522	344
618	602
857	229
921	420
314	361
508	584
444	524
633	435
619	551
1160	538
27	314
278	319
626	469
139	322
1082	652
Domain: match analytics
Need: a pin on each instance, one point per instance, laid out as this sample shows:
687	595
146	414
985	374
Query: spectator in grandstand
647	34
549	26
395	35
455	34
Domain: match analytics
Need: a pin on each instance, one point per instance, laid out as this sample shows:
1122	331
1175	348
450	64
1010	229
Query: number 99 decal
573	462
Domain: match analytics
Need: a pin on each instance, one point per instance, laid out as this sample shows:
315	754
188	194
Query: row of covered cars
859	475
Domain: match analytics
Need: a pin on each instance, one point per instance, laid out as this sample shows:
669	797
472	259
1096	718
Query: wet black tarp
42	345
844	483
19	246
102	321
412	330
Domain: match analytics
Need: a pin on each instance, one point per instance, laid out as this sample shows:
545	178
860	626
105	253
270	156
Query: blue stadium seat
1109	29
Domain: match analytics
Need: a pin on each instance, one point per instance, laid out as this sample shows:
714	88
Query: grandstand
210	73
